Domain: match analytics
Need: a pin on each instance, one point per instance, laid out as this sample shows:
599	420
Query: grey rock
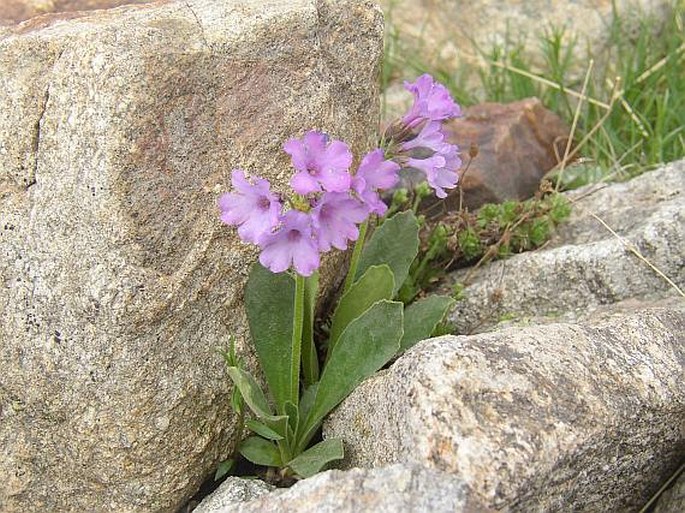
585	267
673	499
393	489
119	130
550	418
233	490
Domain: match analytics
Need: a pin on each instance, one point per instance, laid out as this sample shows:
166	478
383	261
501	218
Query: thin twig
635	251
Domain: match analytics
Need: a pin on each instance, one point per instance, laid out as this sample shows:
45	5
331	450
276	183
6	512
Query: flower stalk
298	323
356	255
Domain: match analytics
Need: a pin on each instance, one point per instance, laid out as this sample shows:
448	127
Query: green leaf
263	430
278	425
269	304
310	358
224	468
313	459
293	422
249	389
377	283
422	317
307	401
365	346
396	243
261	452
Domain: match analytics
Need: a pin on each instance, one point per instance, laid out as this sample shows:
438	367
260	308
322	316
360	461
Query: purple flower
320	163
431	136
291	245
375	173
335	218
432	101
253	208
441	169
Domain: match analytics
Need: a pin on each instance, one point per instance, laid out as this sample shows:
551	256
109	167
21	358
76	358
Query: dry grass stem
574	124
571	155
482	62
631	112
635	251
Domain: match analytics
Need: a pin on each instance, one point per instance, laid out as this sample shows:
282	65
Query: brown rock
517	144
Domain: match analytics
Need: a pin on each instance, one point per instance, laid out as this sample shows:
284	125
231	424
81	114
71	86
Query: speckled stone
392	489
585	268
554	418
119	130
233	491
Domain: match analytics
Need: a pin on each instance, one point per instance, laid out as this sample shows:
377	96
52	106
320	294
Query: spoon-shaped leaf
364	346
422	317
377	283
269	304
313	459
261	451
395	243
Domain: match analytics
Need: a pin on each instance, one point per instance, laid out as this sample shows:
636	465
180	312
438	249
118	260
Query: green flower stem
298	321
310	362
356	255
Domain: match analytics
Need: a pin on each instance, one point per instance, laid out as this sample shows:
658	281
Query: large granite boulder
119	130
551	418
585	268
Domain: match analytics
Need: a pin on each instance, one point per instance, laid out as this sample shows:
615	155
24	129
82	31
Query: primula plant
329	207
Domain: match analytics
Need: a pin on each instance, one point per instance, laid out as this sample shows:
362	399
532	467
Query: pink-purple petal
335	218
253	207
291	245
304	183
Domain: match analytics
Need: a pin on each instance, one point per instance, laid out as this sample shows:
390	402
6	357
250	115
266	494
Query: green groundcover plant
329	207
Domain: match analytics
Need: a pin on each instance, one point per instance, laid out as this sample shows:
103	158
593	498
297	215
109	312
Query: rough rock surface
447	30
119	129
673	499
585	267
550	418
233	491
393	489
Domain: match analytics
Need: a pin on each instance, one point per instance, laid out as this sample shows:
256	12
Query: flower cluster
417	141
329	202
328	205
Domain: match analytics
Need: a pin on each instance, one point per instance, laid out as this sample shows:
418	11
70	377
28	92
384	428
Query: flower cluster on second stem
328	202
417	140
